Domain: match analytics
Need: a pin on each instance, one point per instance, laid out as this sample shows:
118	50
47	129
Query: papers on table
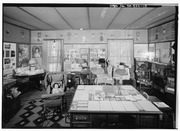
139	97
140	108
129	106
129	98
82	105
81	95
95	98
105	106
80	87
148	106
161	104
127	87
117	106
93	106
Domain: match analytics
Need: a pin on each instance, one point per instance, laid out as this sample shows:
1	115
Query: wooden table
92	100
33	78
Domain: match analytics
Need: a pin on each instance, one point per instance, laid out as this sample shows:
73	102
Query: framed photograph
36	51
23	51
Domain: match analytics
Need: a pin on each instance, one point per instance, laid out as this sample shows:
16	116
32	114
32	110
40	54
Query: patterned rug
29	116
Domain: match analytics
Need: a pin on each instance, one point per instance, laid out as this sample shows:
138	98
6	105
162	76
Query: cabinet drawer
81	117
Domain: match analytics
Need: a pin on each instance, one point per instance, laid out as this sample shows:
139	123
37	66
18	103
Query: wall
161	33
90	36
15	34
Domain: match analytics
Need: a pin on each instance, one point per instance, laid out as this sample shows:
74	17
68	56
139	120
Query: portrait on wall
36	51
23	52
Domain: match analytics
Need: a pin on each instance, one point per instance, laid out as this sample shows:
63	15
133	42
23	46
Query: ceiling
86	18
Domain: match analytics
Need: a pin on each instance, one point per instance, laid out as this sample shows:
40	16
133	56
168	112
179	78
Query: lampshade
32	61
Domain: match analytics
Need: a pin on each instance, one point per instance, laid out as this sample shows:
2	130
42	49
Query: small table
33	78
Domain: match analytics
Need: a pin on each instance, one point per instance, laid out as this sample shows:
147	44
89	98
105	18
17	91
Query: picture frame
36	51
23	53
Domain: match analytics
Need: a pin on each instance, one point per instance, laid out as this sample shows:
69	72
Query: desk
34	78
97	99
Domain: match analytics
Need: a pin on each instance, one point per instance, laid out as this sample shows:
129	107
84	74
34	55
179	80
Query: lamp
32	61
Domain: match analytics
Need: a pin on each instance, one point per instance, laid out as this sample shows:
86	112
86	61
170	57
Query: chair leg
67	116
43	117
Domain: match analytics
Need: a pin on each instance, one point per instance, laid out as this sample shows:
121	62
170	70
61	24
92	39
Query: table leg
71	119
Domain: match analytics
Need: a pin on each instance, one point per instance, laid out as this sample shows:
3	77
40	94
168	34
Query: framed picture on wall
36	51
23	52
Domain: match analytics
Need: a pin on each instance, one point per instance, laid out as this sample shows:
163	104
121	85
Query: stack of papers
161	104
82	105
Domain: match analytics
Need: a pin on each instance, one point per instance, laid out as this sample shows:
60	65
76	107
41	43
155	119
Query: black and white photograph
107	65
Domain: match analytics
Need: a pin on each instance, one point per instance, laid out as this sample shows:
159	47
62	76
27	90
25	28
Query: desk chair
121	74
85	77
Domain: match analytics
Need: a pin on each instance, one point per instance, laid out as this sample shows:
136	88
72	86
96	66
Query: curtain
52	55
121	51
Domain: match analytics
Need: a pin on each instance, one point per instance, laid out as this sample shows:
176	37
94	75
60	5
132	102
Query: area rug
29	116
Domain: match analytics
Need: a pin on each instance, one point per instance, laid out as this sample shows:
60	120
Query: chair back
145	95
55	77
121	73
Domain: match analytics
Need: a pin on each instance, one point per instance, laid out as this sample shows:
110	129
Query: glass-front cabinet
78	56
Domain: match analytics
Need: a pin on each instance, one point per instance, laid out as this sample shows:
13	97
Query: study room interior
95	66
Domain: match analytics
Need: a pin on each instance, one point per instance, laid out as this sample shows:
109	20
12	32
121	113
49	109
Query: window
52	59
120	51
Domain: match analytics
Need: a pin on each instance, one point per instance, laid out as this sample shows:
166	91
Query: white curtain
52	55
120	51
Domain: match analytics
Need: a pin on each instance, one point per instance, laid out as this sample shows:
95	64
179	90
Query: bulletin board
9	57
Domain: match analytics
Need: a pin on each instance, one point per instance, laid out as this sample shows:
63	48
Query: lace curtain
52	55
120	51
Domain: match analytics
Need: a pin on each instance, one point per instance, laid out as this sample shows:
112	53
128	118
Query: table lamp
32	63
